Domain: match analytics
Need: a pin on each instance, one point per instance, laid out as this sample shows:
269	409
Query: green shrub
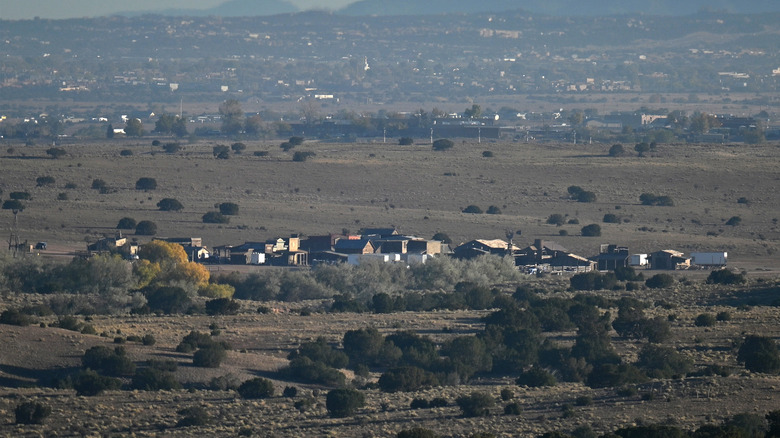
146	228
556	219
759	354
319	350
734	221
169	204
476	404
168	299
583	400
344	402
725	277
723	316
705	320
209	357
536	377
300	156
228	382
215	217
407	378
304	369
493	210
438	402
443	144
228	208
659	281
586	196
650	199
472	209
222	306
417	432
609	374
257	388
126	223
513	409
193	416
148	339
195	340
616	150
507	394
592	230
154	379
290	391
405	141
146	183
419	403
663	362
43	181
15	317
31	413
113	362
90	383
611	218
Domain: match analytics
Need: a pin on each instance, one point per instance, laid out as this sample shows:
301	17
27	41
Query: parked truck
709	259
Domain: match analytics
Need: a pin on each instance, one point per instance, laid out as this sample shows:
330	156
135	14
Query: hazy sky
20	9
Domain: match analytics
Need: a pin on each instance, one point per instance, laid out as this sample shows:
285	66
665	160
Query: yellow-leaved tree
165	263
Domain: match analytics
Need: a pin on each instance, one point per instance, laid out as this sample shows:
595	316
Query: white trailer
709	259
639	260
357	259
257	258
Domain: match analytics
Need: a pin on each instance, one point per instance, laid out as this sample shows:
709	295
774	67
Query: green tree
232	116
126	223
146	183
238	147
31	413
344	402
474	112
215	217
443	144
617	150
759	354
14	205
134	127
165	124
592	230
256	388
221	152
146	228
476	404
642	148
169	204
56	152
253	125
228	208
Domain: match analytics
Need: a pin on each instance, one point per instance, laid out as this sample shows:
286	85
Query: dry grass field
420	192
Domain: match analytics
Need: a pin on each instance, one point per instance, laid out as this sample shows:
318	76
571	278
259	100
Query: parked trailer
709	259
257	258
639	260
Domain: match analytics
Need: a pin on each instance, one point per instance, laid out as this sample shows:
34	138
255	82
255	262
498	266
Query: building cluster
387	245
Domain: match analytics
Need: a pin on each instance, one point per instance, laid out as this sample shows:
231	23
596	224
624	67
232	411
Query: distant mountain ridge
558	7
231	8
248	8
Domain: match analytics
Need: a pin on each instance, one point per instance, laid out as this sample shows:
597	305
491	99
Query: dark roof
351	243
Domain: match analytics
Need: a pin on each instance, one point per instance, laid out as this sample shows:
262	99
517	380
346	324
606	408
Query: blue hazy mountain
558	7
231	8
